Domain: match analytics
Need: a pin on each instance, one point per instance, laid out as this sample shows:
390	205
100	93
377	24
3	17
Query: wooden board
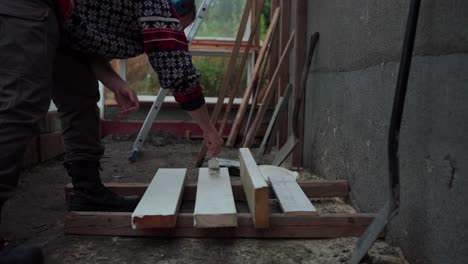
159	205
313	189
255	188
268	95
280	106
248	92
234	87
285	150
227	76
324	226
214	204
290	196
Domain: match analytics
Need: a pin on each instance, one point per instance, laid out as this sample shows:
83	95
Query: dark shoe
89	194
10	254
101	199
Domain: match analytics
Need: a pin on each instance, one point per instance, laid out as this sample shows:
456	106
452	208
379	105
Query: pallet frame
281	226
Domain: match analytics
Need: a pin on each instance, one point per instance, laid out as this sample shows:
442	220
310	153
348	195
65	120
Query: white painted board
214	204
160	203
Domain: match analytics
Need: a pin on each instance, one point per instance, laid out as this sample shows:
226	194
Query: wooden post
299	59
227	75
248	92
268	94
285	24
240	69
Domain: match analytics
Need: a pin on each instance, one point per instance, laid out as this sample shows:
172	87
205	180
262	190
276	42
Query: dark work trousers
76	93
28	40
28	45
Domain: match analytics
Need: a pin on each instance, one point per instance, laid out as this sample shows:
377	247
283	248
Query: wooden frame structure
280	225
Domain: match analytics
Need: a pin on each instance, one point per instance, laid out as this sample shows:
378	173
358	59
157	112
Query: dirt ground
35	216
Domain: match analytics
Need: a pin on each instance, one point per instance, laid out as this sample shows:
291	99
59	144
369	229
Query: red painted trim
177	128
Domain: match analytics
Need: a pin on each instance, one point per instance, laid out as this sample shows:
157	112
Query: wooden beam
282	103
227	76
299	60
248	92
214	205
238	73
160	204
219	45
283	79
324	226
267	97
313	189
285	150
255	188
291	198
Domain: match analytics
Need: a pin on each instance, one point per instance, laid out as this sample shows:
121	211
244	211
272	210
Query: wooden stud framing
255	188
248	92
283	80
227	75
238	73
268	94
282	103
299	60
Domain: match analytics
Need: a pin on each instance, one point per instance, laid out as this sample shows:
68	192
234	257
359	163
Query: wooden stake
299	60
240	70
248	92
227	75
268	94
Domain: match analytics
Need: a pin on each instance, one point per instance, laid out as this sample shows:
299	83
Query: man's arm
124	95
213	140
167	48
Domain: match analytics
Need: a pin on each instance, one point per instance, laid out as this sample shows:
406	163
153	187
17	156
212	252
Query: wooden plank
248	92
218	45
283	79
324	226
160	204
282	103
255	188
214	204
285	150
313	189
268	94
227	76
299	60
290	196
240	70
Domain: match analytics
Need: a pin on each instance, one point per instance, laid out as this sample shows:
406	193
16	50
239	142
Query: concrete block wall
348	107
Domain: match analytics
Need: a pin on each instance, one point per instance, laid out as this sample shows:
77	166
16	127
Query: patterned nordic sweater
127	28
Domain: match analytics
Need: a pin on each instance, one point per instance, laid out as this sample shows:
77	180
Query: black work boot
89	194
11	254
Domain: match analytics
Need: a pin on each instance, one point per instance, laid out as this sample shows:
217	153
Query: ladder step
214	204
160	204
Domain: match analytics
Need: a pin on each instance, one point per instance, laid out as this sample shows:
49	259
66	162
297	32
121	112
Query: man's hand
125	97
127	100
213	141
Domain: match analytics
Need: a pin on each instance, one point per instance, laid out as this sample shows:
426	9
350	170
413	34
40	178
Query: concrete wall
348	107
